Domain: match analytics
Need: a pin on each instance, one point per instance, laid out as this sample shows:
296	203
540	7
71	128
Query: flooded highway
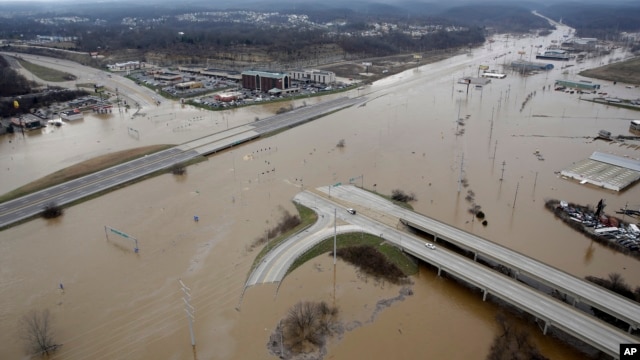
118	304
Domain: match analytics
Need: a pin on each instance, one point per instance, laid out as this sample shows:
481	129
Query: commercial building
189	85
168	77
468	80
522	65
582	85
580	44
313	76
228	96
83	102
71	115
264	81
605	170
27	122
129	65
211	72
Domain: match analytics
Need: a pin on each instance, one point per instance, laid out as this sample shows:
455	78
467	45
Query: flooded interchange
499	148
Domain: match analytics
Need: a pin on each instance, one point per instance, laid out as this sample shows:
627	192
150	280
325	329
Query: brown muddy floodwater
122	305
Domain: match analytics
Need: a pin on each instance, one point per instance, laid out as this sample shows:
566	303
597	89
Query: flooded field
121	305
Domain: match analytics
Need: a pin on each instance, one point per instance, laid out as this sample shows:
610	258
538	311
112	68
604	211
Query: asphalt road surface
551	311
33	204
579	289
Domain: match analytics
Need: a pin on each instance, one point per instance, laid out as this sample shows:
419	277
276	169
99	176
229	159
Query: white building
129	65
314	76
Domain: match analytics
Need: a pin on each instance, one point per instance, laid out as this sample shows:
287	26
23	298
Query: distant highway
141	95
33	204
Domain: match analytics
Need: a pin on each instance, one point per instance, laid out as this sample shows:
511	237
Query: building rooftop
264	73
605	170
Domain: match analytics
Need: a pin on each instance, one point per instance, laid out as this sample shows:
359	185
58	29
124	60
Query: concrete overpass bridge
379	216
33	204
579	290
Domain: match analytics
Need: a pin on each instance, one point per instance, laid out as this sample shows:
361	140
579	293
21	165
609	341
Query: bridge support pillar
475	256
546	326
630	328
439	270
484	295
435	237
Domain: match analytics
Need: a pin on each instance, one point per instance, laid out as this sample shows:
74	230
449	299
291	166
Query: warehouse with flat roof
522	65
605	170
582	85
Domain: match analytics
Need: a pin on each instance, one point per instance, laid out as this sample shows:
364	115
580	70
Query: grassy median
82	169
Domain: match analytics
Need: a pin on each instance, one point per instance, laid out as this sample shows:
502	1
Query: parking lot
217	91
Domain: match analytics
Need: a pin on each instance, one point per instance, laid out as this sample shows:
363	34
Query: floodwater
121	305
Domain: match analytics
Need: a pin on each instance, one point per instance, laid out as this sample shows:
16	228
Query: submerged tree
513	344
36	332
178	169
307	325
52	210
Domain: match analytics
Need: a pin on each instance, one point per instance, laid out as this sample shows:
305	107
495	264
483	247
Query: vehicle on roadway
430	246
351	211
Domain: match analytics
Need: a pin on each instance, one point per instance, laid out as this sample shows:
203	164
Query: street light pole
189	310
335	211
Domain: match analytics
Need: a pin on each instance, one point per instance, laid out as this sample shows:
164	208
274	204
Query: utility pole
335	212
281	341
502	175
516	196
460	175
495	149
335	241
491	130
189	310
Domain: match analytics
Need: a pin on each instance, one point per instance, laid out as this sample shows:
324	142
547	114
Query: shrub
372	262
52	210
401	196
178	169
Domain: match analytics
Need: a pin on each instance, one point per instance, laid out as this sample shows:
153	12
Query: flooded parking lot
118	304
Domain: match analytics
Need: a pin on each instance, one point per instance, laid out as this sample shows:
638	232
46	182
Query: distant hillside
502	17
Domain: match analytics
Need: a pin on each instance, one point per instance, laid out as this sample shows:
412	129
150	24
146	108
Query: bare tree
36	332
616	280
513	344
307	324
